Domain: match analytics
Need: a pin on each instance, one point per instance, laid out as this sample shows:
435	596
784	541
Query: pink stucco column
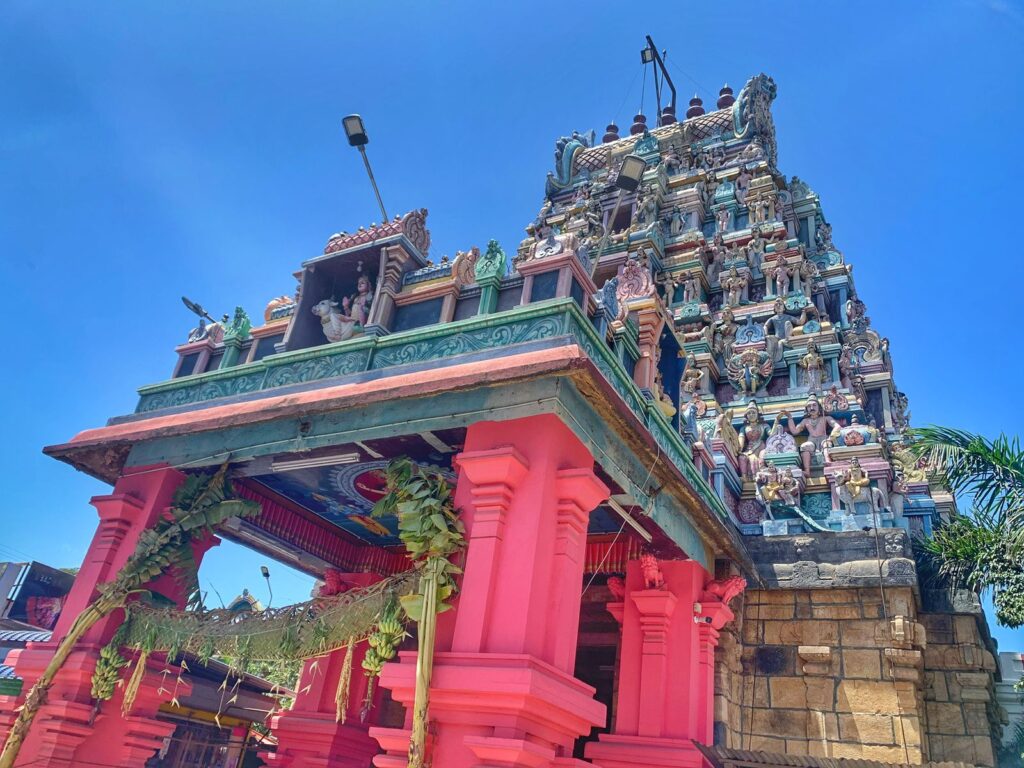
503	693
670	616
69	731
309	734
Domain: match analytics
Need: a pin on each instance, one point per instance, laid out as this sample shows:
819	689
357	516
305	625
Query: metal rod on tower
650	53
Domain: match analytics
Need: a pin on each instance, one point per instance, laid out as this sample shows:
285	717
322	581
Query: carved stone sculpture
653	577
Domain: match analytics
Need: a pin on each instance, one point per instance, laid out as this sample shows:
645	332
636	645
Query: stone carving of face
363	284
813	409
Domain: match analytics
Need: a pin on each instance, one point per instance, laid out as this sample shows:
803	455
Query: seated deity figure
790	491
753	435
854	487
342	321
812	367
816	425
692	376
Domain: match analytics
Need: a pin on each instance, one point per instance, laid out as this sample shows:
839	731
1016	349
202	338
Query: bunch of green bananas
383	642
108	670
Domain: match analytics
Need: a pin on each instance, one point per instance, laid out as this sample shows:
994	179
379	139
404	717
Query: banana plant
430	528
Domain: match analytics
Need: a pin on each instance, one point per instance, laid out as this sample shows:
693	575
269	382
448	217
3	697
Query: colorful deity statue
816	425
749	370
725	333
734	285
779	273
753	436
691	287
716	257
722	219
812	369
755	249
646	210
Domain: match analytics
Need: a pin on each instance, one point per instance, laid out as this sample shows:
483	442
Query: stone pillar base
69	730
322	742
496	710
634	751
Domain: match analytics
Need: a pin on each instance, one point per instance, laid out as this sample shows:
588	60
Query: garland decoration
301	631
344	682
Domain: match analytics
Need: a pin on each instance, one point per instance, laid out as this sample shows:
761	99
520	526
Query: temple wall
830	664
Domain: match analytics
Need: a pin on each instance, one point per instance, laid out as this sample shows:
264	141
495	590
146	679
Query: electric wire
632	84
700	86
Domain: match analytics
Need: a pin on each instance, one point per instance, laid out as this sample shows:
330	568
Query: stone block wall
812	672
959	690
833	658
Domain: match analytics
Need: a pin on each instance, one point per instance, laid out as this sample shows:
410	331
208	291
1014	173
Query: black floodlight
355	131
630	173
647	55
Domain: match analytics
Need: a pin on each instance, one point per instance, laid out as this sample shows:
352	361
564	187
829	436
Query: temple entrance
597	652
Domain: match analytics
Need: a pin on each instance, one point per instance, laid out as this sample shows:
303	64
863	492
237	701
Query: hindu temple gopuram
676	443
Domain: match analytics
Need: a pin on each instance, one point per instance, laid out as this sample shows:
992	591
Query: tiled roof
413	225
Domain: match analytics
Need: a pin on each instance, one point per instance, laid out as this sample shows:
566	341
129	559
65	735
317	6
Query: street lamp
631	171
356	133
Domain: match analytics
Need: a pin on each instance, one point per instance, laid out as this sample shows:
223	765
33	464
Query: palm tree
200	503
984	548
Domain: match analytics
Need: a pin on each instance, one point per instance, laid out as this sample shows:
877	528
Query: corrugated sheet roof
25	635
7	673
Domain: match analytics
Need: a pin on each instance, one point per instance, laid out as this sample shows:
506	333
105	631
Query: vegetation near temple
984	548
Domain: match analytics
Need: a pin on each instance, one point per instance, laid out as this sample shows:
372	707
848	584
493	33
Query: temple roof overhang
555	374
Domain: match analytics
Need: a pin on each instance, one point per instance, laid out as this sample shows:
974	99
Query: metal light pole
356	133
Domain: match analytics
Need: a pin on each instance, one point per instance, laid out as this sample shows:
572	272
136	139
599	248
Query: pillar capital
492	477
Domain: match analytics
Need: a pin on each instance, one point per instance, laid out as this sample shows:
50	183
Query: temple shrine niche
661	397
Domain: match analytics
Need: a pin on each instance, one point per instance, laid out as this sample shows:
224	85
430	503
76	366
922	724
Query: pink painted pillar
502	692
309	734
68	731
666	668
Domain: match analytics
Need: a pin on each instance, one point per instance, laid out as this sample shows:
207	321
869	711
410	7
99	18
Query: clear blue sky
153	149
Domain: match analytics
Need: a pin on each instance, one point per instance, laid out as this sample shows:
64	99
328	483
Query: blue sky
150	150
